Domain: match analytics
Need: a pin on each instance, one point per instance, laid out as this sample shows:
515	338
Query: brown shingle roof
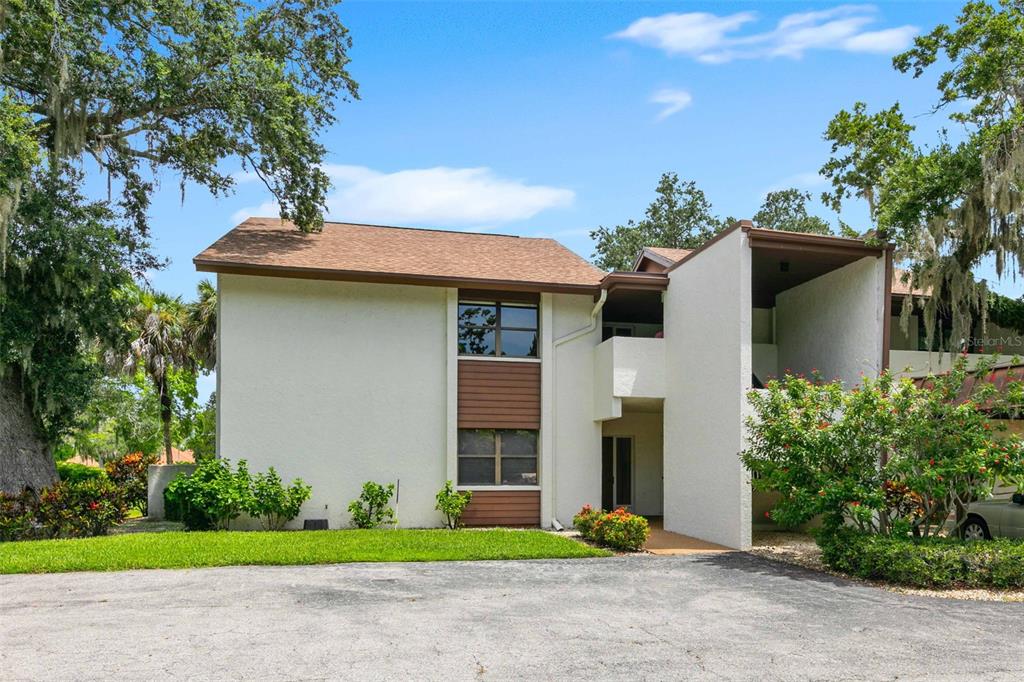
672	254
344	251
903	288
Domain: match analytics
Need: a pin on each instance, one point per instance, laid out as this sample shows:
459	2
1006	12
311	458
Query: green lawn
233	548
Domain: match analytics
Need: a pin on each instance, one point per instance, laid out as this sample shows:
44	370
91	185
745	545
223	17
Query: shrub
452	504
72	472
889	456
618	529
924	562
273	503
211	497
371	508
18	516
130	474
584	520
75	510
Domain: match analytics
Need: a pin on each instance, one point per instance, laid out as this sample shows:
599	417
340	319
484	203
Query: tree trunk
165	417
25	457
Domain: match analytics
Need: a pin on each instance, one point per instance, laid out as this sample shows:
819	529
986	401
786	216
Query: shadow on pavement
749	563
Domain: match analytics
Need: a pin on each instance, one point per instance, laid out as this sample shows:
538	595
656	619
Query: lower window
497	457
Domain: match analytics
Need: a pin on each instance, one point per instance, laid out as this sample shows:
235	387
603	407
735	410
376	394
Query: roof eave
263	270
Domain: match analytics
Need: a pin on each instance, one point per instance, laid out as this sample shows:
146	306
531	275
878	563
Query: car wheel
975	529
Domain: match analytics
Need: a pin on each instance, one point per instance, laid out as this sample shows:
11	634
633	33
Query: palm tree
202	325
160	336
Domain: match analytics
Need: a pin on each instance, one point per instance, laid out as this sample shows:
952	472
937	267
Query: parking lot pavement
731	616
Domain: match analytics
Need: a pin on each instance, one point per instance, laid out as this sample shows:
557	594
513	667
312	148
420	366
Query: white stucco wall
338	383
645	428
762	325
765	360
708	305
576	436
834	323
919	363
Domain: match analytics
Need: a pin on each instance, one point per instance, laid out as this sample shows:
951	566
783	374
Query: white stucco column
452	386
547	422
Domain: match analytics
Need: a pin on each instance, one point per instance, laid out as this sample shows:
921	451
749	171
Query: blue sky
547	119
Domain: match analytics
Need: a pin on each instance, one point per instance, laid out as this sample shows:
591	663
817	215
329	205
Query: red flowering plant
129	473
80	509
18	516
618	529
819	447
948	451
889	456
584	520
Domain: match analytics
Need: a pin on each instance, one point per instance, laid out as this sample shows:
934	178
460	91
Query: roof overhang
759	238
636	281
228	268
647	254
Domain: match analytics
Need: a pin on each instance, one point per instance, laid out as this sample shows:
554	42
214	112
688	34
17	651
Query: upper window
498	329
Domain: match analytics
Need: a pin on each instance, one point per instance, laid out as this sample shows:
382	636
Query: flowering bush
584	520
75	510
129	473
889	456
18	516
618	529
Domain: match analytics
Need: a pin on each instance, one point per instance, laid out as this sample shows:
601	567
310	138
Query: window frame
497	456
498	328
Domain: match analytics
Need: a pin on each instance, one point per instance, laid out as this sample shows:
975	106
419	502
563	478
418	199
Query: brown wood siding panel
498	395
503	508
504	296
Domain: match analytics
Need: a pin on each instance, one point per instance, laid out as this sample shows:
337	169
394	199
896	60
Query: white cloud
716	39
691	33
439	196
885	42
673	100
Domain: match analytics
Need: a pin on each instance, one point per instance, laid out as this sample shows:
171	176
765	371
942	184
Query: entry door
616	472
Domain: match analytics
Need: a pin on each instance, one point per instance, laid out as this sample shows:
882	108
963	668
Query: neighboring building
518	370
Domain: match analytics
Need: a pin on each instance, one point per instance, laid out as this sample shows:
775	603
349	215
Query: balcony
630	370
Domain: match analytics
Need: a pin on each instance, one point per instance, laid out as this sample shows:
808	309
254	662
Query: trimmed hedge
72	472
929	562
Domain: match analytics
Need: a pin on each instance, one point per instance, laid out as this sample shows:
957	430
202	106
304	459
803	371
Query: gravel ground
731	616
800	550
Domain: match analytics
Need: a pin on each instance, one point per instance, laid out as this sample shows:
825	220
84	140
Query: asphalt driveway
729	616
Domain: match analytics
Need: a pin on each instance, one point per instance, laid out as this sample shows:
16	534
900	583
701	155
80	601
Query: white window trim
484	488
491	358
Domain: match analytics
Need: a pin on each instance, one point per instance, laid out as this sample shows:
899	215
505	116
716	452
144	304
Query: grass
287	548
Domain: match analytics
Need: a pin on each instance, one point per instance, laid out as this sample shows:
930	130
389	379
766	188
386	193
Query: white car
995	518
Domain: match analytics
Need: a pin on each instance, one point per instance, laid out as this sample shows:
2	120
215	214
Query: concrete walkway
666	542
727	615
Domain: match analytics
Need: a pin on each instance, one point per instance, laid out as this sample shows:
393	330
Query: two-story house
518	370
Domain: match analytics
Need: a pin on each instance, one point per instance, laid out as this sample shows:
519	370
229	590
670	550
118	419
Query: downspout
571	336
